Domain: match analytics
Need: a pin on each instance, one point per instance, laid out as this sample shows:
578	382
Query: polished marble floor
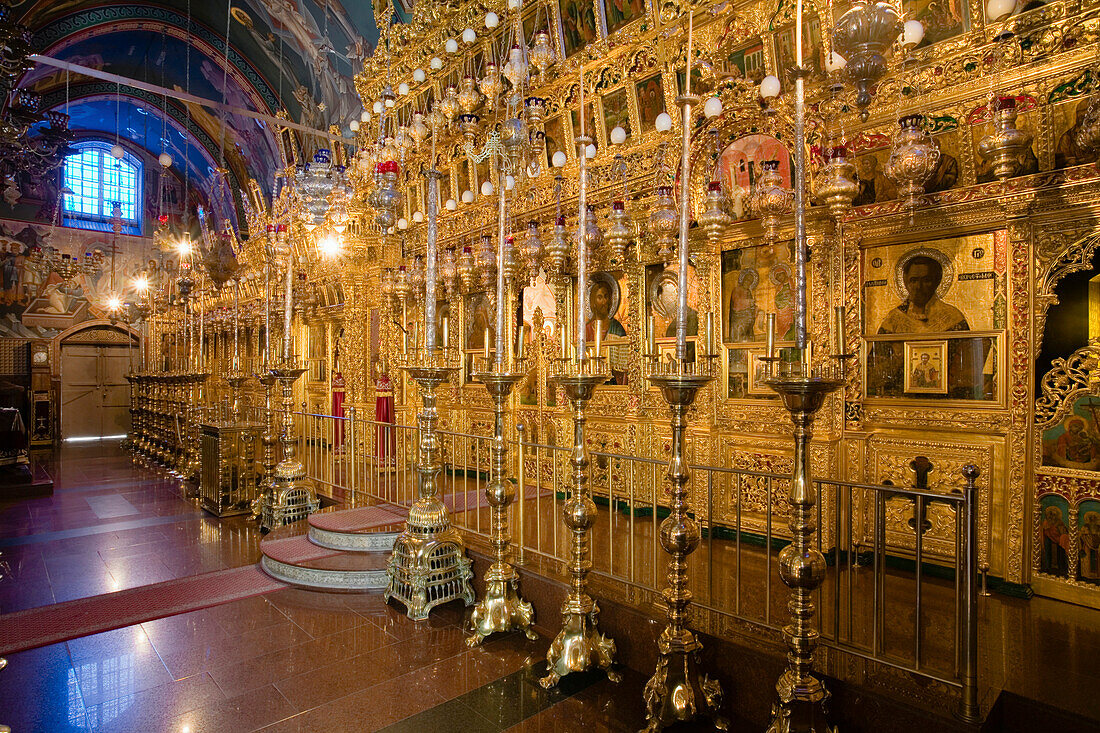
294	660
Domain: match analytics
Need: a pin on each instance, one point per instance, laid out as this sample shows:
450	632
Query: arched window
97	181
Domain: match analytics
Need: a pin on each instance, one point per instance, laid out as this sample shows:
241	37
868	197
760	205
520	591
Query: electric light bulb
354	125
165	160
513	4
114	303
365	116
487	188
469	35
467	197
558	159
712	107
390	103
590	151
141	284
998	10
402	223
436	63
663	122
491	20
834	62
770	86
451	204
450	45
117	152
378	108
912	33
618	136
419	75
418	216
509	183
402	89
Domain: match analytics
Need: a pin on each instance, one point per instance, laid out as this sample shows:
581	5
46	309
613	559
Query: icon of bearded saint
923	311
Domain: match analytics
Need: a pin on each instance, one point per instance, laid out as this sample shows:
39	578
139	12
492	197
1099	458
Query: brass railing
875	571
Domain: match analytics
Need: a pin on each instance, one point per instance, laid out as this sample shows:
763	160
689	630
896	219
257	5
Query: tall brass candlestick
428	565
502	608
801	696
579	645
678	692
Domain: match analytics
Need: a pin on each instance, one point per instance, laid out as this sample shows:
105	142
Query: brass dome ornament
1004	147
863	36
913	159
836	187
770	199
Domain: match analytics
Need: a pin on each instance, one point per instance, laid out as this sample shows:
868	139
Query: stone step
292	557
363	529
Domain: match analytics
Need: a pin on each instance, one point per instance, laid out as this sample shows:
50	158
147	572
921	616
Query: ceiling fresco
293	55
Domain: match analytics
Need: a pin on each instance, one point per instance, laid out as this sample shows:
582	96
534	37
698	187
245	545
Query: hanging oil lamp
401	287
417	129
593	236
664	222
509	262
448	271
557	251
486	262
913	159
466	268
416	278
618	234
386	198
714	218
516	68
836	186
532	251
468	96
542	54
1004	147
449	104
491	85
770	199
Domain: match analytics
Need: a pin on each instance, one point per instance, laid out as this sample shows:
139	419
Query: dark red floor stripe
51	624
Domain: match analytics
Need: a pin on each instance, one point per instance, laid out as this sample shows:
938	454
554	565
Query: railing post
518	526
349	452
969	709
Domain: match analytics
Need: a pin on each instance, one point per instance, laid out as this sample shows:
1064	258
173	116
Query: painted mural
38	303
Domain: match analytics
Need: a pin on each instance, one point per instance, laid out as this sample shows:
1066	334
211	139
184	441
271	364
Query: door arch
95	396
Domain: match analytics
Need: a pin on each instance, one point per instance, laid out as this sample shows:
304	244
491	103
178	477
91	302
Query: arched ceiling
292	55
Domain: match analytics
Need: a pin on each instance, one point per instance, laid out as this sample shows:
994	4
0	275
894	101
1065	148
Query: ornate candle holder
429	564
579	645
677	690
502	608
801	695
292	496
269	439
193	463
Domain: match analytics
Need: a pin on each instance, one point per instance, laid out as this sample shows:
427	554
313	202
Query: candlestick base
429	564
579	645
502	609
292	495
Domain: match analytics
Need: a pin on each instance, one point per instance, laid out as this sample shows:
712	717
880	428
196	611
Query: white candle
769	319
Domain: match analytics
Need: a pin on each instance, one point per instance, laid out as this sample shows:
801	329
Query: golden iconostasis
971	314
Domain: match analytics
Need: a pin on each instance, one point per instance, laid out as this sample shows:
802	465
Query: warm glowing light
141	284
114	303
330	245
184	247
